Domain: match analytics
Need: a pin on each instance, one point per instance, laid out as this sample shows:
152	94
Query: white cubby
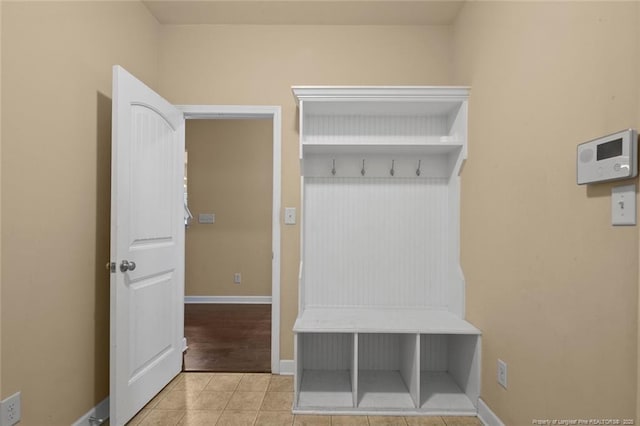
387	371
449	372
325	371
381	325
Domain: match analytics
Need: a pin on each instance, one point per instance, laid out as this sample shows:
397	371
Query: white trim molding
287	367
379	93
486	416
237	300
100	411
267	112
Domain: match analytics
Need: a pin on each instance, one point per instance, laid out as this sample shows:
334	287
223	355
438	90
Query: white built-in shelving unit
380	327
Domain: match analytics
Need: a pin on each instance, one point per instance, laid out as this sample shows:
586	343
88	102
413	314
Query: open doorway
228	251
232	243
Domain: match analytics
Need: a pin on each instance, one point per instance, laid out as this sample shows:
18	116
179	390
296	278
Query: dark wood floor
233	338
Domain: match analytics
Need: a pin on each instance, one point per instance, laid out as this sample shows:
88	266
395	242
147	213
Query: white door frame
274	113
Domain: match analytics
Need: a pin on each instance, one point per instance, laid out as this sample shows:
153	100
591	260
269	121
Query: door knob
127	266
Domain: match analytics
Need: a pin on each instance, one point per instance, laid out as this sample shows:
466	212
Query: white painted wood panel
440	393
382	389
154	297
374	129
298	356
410	364
327	351
434	353
152	149
325	388
464	364
380	351
355	366
378	164
377	242
381	320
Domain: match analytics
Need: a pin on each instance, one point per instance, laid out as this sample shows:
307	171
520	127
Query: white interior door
147	245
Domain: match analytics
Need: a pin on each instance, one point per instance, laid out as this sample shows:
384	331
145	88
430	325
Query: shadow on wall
103	231
604	190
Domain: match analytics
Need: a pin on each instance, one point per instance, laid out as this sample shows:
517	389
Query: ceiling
305	12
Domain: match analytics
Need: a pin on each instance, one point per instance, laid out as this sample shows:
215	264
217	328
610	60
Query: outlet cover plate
10	410
290	216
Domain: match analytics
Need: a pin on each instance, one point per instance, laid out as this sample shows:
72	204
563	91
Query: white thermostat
608	158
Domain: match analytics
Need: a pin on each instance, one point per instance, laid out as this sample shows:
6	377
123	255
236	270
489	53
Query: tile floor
252	399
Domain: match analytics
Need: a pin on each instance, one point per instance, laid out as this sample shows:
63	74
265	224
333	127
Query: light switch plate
207	218
502	373
290	216
623	205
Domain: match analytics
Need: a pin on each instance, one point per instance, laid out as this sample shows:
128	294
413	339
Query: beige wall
56	135
230	175
259	64
638	310
1	7
552	285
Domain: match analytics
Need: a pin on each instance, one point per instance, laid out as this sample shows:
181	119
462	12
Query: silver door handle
127	266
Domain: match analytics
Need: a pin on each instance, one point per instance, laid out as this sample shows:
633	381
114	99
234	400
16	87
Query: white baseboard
100	411
266	300
487	416
287	367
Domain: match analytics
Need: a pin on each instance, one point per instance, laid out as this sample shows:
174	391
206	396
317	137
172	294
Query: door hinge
111	266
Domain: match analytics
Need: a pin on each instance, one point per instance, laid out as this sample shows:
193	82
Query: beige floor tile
387	421
178	378
200	418
308	420
211	400
245	401
237	418
157	417
281	384
224	382
277	401
461	421
254	382
177	399
138	417
274	418
156	399
349	420
193	381
424	421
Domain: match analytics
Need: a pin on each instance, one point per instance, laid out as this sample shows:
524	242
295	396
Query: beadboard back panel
372	130
328	351
376	242
379	351
434	352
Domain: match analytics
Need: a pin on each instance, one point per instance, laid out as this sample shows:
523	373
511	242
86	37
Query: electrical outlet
10	410
290	216
502	373
237	278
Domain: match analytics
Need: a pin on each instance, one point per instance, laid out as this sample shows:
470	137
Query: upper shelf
404	149
380	100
